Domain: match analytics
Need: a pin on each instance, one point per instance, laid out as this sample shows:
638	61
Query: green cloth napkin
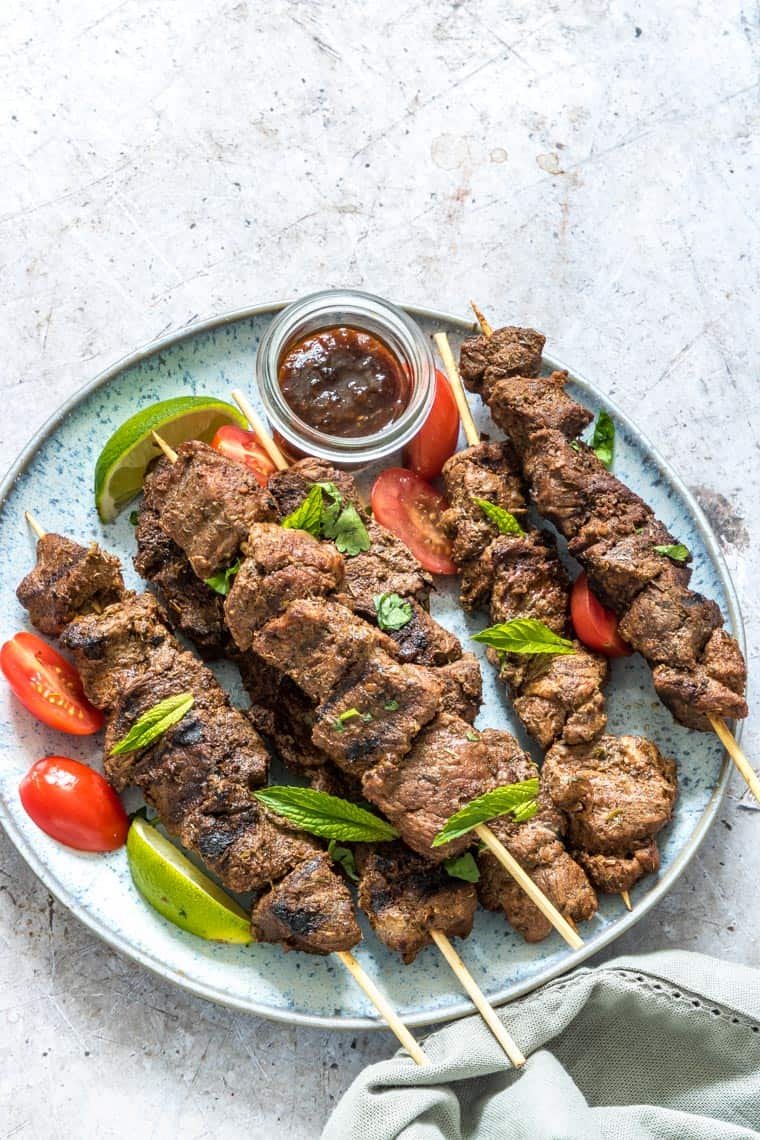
665	1045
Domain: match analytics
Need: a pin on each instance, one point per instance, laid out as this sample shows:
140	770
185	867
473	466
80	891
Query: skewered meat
422	641
615	873
387	567
405	897
448	766
290	487
279	566
281	712
208	505
462	687
68	580
508	352
537	846
310	909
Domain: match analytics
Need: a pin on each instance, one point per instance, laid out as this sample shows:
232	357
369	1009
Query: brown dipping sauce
343	382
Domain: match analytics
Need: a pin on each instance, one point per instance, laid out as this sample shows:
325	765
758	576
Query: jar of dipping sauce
345	376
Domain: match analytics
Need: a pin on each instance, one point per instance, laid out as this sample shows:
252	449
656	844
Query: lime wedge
179	891
121	465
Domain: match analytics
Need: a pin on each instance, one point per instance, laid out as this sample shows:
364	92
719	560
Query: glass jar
366	313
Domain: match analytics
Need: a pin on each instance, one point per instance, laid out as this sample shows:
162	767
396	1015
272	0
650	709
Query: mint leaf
329	817
463	867
221	582
308	516
344	857
134	518
524	635
392	611
343	525
603	439
506	522
518	799
676	553
154	723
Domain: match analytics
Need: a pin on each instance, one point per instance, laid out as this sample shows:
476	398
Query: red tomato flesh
596	626
437	440
243	447
411	509
48	685
74	804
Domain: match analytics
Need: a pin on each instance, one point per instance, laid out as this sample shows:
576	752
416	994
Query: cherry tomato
411	509
596	626
244	447
48	685
74	804
437	440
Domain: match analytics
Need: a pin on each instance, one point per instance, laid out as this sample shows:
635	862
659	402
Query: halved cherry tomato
48	685
436	441
74	804
244	447
411	509
596	626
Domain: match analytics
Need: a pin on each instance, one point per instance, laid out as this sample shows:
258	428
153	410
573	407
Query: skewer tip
485	327
33	525
168	451
627	900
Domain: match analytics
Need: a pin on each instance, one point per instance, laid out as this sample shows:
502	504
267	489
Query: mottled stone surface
587	167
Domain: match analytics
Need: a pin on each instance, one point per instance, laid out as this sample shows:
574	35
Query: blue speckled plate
53	478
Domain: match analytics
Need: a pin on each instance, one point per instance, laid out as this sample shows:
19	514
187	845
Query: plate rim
462	1008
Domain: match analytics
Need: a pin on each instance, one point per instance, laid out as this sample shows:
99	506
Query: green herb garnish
344	856
392	611
134	517
603	439
519	800
473	736
329	817
221	582
463	867
676	553
524	635
154	723
308	516
506	522
391	706
323	515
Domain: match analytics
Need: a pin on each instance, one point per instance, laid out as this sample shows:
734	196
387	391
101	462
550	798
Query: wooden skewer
485	328
732	747
471	433
168	451
34	525
258	425
627	900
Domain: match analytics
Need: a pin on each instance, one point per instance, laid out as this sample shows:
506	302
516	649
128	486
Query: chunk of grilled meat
422	641
448	766
281	712
537	845
290	487
388	567
405	897
509	351
279	566
208	505
68	580
558	697
462	687
618	793
310	909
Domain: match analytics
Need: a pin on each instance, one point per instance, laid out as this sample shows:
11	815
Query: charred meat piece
310	909
537	846
289	488
331	780
280	565
422	641
612	874
68	580
194	608
448	766
462	685
618	792
208	504
388	567
509	351
621	568
667	622
281	712
316	643
713	687
543	405
375	711
558	696
529	581
405	897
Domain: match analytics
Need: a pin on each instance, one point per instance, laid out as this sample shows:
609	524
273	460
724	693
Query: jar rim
365	311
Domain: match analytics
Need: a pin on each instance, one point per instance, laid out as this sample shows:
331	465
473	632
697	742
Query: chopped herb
308	516
349	714
330	519
506	522
392	611
518	799
473	736
338	726
154	723
329	817
603	439
463	867
134	517
524	635
344	856
221	583
349	532
614	814
367	717
676	553
576	446
391	706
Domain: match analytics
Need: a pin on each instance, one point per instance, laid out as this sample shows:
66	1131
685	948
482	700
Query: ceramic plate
53	479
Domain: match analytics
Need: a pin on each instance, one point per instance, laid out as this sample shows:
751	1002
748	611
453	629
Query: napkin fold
664	1045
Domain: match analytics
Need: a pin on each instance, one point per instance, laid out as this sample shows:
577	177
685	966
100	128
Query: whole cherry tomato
74	804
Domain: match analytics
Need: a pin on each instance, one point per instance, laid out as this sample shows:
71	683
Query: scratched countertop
588	168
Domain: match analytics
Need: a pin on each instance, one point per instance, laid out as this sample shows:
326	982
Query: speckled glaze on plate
53	479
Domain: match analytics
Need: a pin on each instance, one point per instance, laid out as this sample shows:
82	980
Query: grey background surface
586	167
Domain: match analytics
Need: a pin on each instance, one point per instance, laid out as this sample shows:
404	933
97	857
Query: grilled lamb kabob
200	775
617	792
697	667
430	762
